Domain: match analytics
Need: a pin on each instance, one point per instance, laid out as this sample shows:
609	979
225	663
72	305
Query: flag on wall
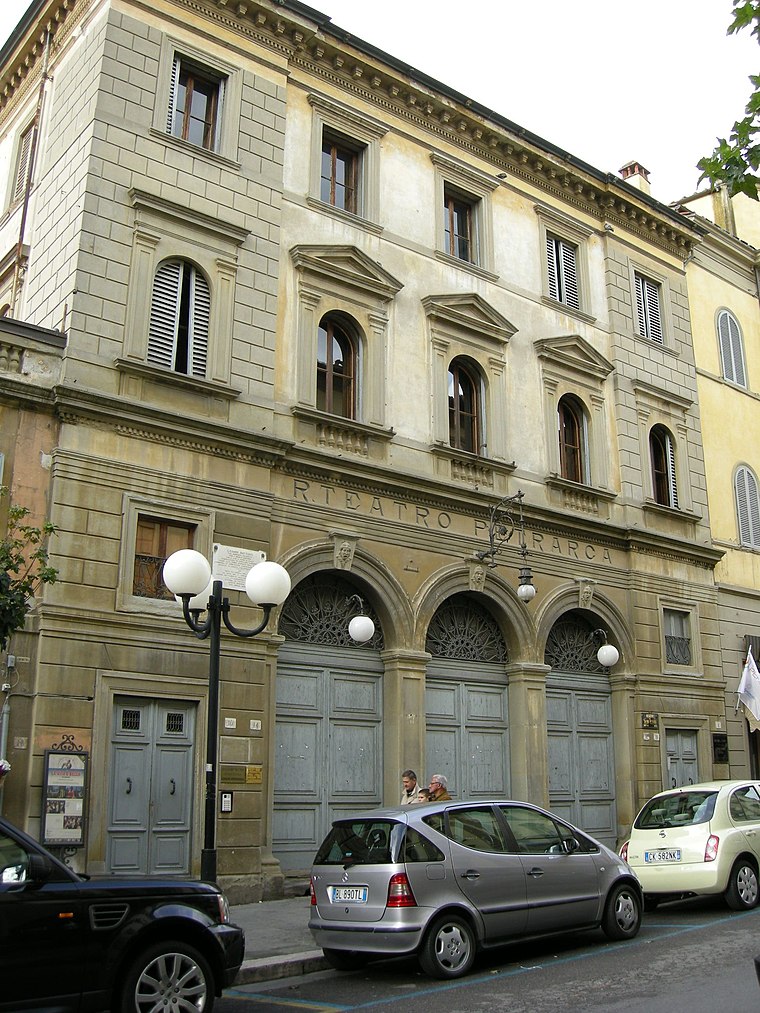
749	692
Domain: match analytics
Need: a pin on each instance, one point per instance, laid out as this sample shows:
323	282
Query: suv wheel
448	948
164	975
622	913
743	891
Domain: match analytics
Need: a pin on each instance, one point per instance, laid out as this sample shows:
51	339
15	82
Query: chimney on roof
636	175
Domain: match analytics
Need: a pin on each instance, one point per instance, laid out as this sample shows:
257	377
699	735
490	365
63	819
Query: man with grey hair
439	788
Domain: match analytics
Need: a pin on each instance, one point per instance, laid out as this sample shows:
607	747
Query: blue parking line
234	993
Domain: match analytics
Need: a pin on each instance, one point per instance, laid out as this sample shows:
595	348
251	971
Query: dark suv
72	943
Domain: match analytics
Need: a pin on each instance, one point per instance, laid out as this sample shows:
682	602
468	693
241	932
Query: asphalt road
692	957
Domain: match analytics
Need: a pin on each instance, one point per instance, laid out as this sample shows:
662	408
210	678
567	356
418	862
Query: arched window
464	407
179	318
731	350
573	440
336	369
663	459
747	507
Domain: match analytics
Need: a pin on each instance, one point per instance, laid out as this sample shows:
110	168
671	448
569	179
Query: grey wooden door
328	744
467	731
681	757
581	754
151	787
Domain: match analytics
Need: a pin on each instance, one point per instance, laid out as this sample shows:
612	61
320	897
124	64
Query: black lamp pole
217	610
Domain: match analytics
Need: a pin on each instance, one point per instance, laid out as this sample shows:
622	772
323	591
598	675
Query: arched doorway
328	723
467	728
579	728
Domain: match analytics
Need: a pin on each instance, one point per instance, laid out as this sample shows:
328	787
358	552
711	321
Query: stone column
528	740
403	718
623	686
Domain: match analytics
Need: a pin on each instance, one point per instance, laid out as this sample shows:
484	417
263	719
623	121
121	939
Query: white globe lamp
267	583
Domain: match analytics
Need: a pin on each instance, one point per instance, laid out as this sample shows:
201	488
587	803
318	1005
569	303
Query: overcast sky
652	80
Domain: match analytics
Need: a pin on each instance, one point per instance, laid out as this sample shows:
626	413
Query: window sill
195	150
471	468
194	383
345	216
466	265
562	307
334	432
677	513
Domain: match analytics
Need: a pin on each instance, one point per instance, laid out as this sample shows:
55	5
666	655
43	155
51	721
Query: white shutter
731	349
552	263
747	507
568	256
640	305
164	314
653	310
22	164
672	483
200	311
172	96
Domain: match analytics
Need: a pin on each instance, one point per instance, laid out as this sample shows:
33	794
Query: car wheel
743	891
164	975
346	960
622	913
448	948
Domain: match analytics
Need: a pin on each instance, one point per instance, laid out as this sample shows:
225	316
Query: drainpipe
30	173
5	711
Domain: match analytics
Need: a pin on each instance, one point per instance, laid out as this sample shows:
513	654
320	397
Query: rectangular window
648	308
562	264
677	637
340	174
155	540
195	99
23	158
458	226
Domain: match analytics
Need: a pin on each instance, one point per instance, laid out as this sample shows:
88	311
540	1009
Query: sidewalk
277	940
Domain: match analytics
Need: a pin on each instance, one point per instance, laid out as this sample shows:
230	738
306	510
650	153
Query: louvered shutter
164	314
552	266
200	311
172	97
672	483
731	348
653	310
747	507
568	256
22	164
640	305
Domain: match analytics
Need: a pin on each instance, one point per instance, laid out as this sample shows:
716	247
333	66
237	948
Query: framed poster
64	793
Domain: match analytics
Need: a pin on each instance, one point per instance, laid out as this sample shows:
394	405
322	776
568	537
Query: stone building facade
317	306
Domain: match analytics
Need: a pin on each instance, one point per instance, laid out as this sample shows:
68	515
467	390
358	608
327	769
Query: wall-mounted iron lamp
361	628
505	518
607	655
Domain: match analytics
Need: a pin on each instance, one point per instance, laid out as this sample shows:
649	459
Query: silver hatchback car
446	879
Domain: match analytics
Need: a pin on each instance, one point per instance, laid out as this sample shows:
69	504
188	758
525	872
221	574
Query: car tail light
624	851
312	894
400	892
711	848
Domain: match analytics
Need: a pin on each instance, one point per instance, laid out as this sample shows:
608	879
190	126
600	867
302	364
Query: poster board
64	797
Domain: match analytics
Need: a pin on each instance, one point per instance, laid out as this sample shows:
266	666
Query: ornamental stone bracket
585	592
344	546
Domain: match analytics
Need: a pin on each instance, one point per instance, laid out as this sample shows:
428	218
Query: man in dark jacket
439	788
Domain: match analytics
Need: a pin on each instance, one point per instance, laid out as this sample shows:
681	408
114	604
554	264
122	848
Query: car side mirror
39	869
570	844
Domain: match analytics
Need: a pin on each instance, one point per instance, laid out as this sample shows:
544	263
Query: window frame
731	348
455	182
663	466
688	613
460	366
459	206
577	412
133	508
22	164
329	323
164	524
556	227
749	530
350	155
174	53
355	132
649	314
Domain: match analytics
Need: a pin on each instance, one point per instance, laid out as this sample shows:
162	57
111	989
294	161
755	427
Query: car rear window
682	808
362	842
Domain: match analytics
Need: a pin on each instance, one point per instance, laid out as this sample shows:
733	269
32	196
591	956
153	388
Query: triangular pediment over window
572	352
468	312
346	265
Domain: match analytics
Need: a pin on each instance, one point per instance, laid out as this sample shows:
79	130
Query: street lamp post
187	574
